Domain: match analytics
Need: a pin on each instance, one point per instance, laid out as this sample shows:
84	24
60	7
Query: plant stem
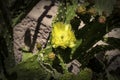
62	64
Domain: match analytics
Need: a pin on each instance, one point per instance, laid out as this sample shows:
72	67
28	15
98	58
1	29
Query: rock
113	60
74	66
38	21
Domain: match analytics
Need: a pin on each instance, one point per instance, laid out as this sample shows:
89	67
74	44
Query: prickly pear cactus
33	69
66	11
104	6
67	42
85	74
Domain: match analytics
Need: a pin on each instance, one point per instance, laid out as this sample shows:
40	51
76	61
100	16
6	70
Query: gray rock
74	66
30	22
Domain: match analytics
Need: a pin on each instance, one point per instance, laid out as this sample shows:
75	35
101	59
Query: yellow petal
62	35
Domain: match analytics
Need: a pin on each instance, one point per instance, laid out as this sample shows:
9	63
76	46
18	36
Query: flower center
62	37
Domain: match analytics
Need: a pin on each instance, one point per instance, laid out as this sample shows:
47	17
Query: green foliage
32	69
67	76
85	74
66	11
90	34
17	19
25	56
70	11
87	36
40	66
104	6
19	9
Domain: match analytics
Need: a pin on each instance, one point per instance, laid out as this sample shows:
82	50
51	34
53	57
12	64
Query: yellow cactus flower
62	35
